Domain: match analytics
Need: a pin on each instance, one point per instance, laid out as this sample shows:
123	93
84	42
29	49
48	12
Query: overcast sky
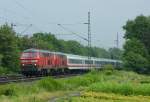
107	17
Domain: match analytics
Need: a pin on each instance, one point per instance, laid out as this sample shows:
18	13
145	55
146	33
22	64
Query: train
43	62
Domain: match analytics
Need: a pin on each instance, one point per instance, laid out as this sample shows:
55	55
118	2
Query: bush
3	70
121	88
84	80
50	84
136	62
108	69
8	90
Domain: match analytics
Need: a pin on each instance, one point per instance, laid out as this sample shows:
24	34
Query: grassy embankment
105	86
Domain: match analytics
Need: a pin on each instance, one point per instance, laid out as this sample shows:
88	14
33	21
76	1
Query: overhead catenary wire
26	29
71	24
62	34
22	6
73	32
31	14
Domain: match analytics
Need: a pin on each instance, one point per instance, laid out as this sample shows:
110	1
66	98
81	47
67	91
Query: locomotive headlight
35	64
22	64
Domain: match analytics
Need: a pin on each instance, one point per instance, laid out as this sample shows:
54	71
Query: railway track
19	78
12	79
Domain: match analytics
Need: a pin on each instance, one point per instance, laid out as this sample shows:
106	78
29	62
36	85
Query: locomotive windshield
29	55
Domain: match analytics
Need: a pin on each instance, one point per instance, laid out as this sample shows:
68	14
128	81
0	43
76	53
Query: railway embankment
107	85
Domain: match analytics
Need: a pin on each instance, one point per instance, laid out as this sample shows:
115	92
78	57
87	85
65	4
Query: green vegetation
137	47
105	97
8	48
121	88
106	85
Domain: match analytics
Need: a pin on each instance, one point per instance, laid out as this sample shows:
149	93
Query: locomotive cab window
29	55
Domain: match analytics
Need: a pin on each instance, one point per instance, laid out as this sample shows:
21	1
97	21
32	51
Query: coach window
97	62
88	62
112	63
75	61
103	62
71	61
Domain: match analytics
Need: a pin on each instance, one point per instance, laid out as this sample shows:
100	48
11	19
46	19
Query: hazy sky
107	17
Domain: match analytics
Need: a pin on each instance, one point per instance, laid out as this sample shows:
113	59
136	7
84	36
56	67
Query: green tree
139	29
136	62
25	42
100	52
8	48
75	47
115	53
135	55
1	56
45	41
63	46
137	46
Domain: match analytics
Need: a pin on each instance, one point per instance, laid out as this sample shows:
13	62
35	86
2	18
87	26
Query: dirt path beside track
66	96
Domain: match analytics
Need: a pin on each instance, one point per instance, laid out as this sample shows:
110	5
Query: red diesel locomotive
35	61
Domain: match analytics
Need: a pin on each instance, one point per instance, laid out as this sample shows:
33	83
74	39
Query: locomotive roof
92	58
31	50
37	50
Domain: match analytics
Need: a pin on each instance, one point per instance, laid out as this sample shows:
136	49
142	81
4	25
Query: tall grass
105	97
9	90
4	71
121	88
18	89
50	84
108	81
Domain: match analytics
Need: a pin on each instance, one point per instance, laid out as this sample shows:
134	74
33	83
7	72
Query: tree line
136	54
11	46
